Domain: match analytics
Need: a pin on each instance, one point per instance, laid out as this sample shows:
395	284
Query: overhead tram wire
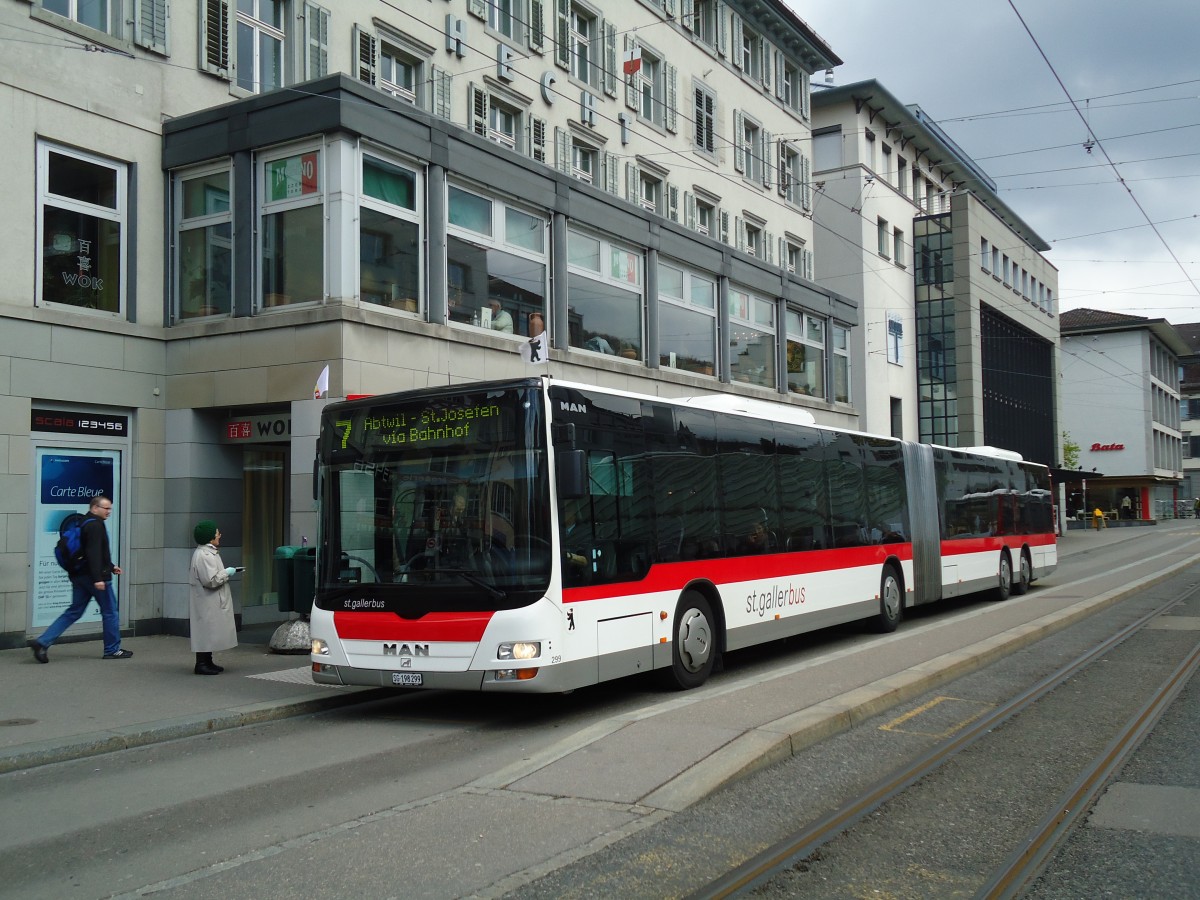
1100	146
1071	184
1118	137
1049	108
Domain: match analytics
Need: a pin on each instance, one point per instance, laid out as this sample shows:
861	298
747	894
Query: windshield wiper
492	591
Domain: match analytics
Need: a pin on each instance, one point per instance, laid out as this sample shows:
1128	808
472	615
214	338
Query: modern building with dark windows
957	343
214	205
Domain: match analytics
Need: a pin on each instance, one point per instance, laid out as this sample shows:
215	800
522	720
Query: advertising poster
67	480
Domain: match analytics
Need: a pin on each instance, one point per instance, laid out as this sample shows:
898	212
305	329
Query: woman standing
210	602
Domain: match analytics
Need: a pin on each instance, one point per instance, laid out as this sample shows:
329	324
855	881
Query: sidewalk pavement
80	705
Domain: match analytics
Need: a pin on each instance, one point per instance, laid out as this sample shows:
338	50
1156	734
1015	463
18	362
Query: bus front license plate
408	679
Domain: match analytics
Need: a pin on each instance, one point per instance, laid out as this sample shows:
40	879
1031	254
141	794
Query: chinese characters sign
81	260
257	429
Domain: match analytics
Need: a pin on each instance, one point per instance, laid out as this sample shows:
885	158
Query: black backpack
69	549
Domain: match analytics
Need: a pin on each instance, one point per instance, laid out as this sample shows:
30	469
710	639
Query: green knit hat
205	531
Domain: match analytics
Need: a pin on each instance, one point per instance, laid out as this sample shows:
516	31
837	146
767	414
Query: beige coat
210	602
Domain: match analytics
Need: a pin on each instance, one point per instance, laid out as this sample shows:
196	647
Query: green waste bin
296	578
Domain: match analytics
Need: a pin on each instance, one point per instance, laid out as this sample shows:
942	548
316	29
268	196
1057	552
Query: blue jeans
83	593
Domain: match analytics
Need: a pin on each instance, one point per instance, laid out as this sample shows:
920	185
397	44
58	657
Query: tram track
1020	869
1037	846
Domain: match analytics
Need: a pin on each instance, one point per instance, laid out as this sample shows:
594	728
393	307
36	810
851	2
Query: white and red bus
538	535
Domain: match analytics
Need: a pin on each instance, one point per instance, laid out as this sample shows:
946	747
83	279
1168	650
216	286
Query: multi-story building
209	207
1189	410
1120	394
958	335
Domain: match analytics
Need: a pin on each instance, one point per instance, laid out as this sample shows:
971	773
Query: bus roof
998	452
780	412
726	403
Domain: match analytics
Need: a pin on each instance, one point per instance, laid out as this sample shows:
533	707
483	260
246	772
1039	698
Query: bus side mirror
571	474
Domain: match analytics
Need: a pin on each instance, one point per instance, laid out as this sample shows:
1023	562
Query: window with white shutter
316	41
150	25
704	119
215	28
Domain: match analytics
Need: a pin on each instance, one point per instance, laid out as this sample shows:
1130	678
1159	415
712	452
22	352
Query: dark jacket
98	564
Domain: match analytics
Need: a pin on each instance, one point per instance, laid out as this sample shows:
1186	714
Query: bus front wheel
694	648
891	602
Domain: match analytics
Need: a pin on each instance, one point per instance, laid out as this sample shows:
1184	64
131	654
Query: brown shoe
39	652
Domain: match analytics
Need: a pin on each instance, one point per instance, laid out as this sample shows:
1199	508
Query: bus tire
891	601
1004	583
694	644
1024	576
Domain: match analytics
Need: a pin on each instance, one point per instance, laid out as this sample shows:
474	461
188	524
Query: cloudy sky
1123	221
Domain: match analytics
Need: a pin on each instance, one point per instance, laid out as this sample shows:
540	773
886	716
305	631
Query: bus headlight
519	650
319	647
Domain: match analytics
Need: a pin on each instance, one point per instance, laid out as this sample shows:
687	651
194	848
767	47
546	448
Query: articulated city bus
537	535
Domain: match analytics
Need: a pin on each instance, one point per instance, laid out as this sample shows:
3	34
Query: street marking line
895	724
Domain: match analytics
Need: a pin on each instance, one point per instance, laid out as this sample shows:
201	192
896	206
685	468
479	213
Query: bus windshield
434	500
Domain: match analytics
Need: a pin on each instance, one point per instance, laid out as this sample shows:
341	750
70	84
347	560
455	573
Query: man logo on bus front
405	650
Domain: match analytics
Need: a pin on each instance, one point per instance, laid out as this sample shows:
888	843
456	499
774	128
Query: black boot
204	665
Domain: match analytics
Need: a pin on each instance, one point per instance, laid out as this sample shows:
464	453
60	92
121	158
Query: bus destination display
428	425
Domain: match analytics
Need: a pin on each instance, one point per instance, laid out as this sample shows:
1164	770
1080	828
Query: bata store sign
1096	448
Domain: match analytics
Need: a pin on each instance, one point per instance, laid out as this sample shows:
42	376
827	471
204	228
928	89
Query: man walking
93	583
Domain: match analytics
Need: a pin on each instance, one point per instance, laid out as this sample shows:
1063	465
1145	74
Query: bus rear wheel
891	601
694	648
1004	586
1024	575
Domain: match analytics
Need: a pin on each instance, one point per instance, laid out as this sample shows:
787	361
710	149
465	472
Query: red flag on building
633	60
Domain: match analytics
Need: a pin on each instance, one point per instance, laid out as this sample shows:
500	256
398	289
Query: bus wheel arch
1004	580
891	598
1023	577
697	637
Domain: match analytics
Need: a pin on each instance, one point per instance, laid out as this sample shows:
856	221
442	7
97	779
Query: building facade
218	203
1121	393
959	328
1189	411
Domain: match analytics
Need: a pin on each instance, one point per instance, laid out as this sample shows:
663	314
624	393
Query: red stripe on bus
959	546
385	626
674	576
